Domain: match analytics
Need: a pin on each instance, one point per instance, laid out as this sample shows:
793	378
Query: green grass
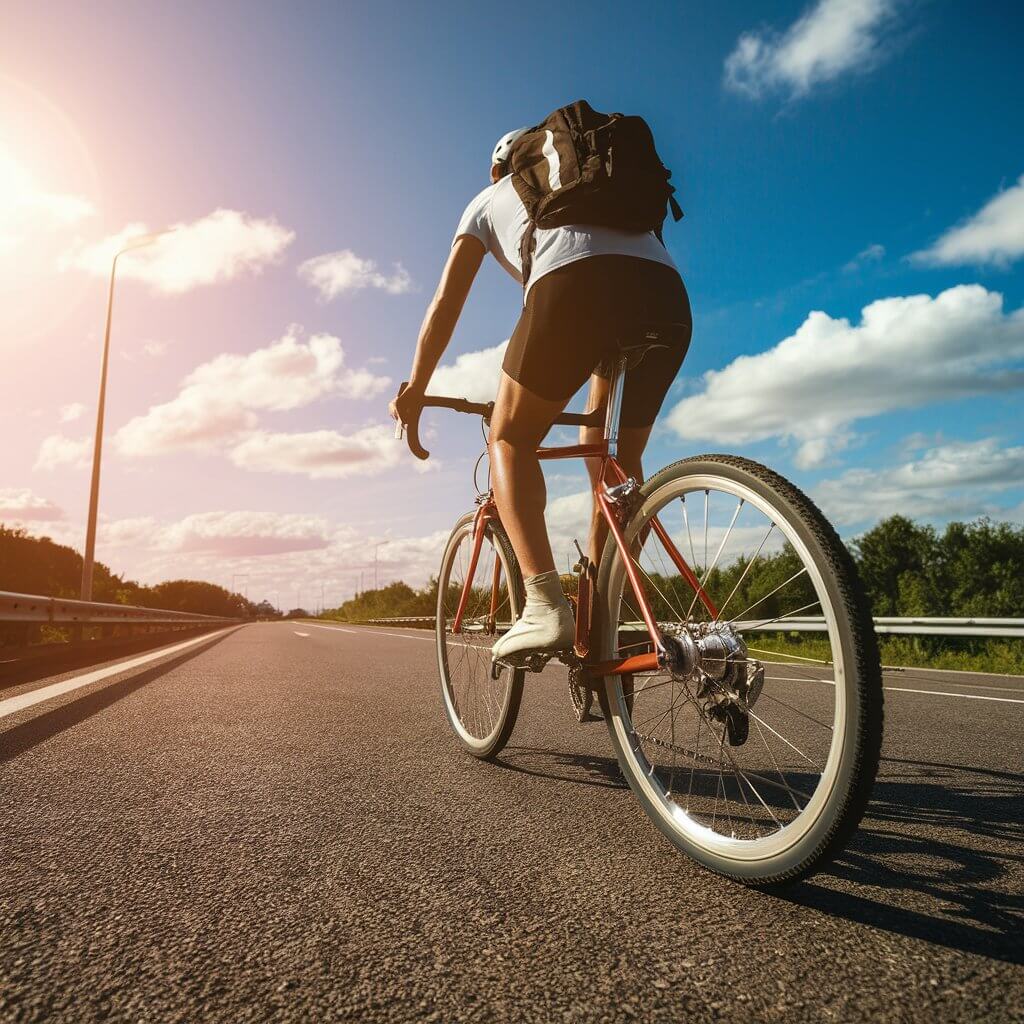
966	655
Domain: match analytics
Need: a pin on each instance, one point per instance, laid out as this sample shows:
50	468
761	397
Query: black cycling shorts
575	317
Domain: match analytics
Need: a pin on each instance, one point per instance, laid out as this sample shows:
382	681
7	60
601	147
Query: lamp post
97	450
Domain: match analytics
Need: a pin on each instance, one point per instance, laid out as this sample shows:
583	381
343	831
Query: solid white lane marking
795	679
405	636
13	705
297	633
798	679
372	631
965	696
899	689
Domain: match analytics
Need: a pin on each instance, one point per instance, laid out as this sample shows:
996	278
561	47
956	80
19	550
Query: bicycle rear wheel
482	711
757	753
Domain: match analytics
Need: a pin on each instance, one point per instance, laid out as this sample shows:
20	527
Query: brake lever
412	429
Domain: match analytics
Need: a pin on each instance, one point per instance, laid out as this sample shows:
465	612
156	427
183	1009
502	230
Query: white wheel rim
463	538
672	814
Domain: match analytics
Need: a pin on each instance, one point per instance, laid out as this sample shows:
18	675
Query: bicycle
762	796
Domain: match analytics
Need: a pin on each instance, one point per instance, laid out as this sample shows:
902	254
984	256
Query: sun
48	185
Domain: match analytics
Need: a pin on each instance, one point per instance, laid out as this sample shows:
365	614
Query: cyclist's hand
405	406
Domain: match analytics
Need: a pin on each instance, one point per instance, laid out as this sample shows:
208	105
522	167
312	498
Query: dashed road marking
297	633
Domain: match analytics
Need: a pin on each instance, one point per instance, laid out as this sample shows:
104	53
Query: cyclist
588	287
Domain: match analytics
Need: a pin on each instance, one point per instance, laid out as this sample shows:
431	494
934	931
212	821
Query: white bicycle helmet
504	144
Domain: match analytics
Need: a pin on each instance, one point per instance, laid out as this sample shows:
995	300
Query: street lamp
94	492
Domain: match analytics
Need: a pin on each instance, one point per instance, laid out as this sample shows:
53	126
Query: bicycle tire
490	744
862	686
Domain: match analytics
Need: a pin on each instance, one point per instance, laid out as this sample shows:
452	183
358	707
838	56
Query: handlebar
484	409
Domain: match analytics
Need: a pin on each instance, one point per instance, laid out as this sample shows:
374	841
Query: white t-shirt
498	218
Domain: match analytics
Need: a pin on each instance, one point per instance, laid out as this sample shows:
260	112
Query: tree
900	568
983	568
38	565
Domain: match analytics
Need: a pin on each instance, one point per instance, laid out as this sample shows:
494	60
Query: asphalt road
276	824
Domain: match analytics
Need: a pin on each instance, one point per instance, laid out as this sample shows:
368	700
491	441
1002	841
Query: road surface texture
274	823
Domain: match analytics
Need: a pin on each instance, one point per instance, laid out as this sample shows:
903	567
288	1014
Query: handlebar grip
412	429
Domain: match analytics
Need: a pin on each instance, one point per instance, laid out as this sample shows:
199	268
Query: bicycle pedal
527	661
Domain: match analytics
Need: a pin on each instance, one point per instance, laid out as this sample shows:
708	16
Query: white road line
405	636
966	696
373	632
13	705
904	689
797	679
794	679
297	633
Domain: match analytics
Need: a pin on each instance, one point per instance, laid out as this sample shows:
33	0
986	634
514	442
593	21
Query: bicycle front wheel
755	754
482	711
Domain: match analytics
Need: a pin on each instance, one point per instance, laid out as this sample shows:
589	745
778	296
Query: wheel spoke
718	554
796	575
732	593
752	772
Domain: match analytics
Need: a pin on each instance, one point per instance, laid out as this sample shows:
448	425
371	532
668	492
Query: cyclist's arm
443	312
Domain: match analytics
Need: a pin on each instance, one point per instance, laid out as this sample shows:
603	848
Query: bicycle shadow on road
953	873
562	766
31	733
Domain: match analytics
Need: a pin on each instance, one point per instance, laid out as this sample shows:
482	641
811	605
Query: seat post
614	411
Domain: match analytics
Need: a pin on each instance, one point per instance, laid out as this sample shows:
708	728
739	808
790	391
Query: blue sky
823	152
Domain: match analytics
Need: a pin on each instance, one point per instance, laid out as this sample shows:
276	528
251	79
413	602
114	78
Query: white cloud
321	454
58	450
246	533
334	273
22	505
995	234
131	532
871	254
218	247
154	348
473	375
218	400
905	352
70	413
27	208
831	38
954	479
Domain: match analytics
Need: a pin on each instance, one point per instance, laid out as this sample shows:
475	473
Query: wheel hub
728	682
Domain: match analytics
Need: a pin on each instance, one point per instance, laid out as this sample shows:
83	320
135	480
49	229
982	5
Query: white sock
547	622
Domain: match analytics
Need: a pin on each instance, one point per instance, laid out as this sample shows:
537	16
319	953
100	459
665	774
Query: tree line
908	569
38	565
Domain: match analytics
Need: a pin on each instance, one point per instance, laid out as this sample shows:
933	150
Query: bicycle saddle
637	342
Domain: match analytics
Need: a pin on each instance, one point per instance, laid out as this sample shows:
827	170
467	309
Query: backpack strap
526	247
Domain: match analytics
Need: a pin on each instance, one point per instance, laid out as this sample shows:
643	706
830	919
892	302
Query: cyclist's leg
520	421
550	356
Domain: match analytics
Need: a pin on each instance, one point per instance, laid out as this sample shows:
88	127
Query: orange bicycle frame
611	472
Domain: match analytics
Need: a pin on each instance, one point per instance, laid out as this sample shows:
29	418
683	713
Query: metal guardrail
60	611
922	626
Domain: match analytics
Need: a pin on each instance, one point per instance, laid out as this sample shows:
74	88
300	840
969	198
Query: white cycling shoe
546	625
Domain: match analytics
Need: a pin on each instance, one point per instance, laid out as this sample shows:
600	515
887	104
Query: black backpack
579	166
